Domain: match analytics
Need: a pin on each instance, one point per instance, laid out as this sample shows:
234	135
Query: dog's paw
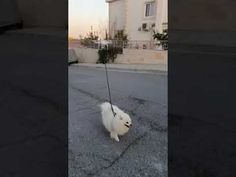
117	139
114	136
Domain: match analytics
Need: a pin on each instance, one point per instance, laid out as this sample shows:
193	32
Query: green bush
102	53
163	38
108	55
119	50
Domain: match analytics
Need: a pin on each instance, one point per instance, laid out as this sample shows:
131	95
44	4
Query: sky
86	13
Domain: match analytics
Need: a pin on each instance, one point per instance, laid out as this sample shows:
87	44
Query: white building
137	18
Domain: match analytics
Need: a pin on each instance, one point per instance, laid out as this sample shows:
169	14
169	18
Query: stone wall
129	56
132	56
86	55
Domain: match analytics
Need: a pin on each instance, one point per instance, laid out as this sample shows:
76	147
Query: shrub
108	55
102	53
163	38
118	50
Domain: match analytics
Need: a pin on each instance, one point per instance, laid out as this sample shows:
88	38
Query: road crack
88	94
134	142
153	125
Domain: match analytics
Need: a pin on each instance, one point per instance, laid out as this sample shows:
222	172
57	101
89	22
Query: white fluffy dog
118	125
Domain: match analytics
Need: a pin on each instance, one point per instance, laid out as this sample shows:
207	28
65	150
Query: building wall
162	14
116	16
129	15
135	18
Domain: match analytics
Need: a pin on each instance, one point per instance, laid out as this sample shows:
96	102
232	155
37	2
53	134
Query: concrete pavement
143	151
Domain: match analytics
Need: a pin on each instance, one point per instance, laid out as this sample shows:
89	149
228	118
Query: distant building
137	18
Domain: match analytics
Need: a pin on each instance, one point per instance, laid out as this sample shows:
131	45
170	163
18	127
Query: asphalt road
141	152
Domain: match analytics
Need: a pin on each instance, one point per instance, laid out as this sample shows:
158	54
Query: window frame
151	9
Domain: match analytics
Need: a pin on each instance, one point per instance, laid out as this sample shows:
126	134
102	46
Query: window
149	9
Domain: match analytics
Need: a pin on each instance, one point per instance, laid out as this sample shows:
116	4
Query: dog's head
124	120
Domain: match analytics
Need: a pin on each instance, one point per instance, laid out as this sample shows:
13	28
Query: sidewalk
129	67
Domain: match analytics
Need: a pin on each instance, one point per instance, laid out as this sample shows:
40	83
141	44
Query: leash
114	114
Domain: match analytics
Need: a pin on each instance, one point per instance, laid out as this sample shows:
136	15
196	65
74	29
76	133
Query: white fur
115	125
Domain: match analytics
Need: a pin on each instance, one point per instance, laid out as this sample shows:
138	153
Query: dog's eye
127	122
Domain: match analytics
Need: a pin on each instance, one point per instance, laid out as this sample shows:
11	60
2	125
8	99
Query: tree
102	29
89	39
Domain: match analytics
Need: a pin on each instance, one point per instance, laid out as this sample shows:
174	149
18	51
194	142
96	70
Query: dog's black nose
130	125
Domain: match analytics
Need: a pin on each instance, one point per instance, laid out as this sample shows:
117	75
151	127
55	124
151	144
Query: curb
123	69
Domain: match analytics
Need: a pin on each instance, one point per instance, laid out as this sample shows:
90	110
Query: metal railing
135	44
89	45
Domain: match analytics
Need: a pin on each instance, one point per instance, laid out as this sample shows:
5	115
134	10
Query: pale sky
86	13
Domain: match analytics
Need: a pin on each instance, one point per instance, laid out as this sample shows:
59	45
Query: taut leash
114	114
